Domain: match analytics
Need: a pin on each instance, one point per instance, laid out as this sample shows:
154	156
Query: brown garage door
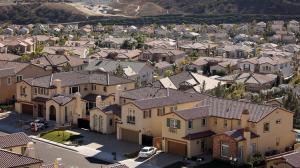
177	148
27	109
129	135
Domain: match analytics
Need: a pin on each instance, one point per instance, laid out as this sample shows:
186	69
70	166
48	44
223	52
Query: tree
119	71
168	73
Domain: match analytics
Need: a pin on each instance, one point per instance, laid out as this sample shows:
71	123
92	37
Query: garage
130	136
27	109
177	148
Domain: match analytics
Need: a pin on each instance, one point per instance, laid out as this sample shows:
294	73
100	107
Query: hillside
275	7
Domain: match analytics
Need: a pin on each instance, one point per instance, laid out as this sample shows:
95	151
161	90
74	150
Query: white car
147	152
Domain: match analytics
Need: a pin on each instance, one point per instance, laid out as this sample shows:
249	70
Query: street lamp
233	161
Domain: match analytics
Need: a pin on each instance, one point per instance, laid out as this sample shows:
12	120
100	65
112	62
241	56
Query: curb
53	143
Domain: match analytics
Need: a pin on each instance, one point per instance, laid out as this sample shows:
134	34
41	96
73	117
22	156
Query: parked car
40	124
147	152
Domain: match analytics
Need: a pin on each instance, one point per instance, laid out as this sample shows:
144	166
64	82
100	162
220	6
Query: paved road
48	153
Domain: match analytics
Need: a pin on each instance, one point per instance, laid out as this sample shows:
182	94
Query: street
48	153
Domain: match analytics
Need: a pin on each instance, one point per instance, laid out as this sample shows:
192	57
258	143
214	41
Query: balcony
173	130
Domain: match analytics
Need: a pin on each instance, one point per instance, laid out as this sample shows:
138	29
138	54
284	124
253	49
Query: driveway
106	143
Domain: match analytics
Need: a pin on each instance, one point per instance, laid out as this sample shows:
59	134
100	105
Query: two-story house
66	97
227	128
143	109
160	54
12	72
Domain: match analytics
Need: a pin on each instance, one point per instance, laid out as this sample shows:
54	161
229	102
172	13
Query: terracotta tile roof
194	113
232	109
293	159
62	100
8	57
238	135
10	160
199	135
18	66
175	97
13	140
76	78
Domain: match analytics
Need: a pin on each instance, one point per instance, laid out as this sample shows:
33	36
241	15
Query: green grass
59	136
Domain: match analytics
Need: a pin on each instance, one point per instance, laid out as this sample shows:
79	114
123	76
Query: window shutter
168	122
178	124
144	114
150	113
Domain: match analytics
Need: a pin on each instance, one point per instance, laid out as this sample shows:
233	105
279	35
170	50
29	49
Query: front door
40	110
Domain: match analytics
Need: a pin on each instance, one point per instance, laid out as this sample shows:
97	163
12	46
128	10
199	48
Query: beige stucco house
66	97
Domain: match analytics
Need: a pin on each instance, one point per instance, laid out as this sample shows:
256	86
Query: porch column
47	113
119	133
189	152
140	138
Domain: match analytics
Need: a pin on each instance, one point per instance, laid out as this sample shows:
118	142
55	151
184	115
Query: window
239	122
224	150
266	127
19	78
203	122
147	114
190	124
104	89
160	111
173	123
35	90
131	116
9	81
278	121
173	108
94	87
225	123
74	89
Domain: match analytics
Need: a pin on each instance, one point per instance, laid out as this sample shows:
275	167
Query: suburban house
67	96
188	81
143	109
253	81
13	72
80	51
114	42
202	49
14	160
227	128
117	54
16	142
57	63
19	45
268	65
159	54
235	51
141	72
293	26
288	159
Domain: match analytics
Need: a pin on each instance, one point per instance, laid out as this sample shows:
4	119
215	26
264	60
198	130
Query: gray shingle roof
10	160
7	72
13	140
193	113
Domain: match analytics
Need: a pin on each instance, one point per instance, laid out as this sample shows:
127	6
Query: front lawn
60	136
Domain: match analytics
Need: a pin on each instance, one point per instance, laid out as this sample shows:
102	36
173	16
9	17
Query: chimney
98	101
58	163
78	109
107	78
245	118
247	136
57	83
30	152
117	94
